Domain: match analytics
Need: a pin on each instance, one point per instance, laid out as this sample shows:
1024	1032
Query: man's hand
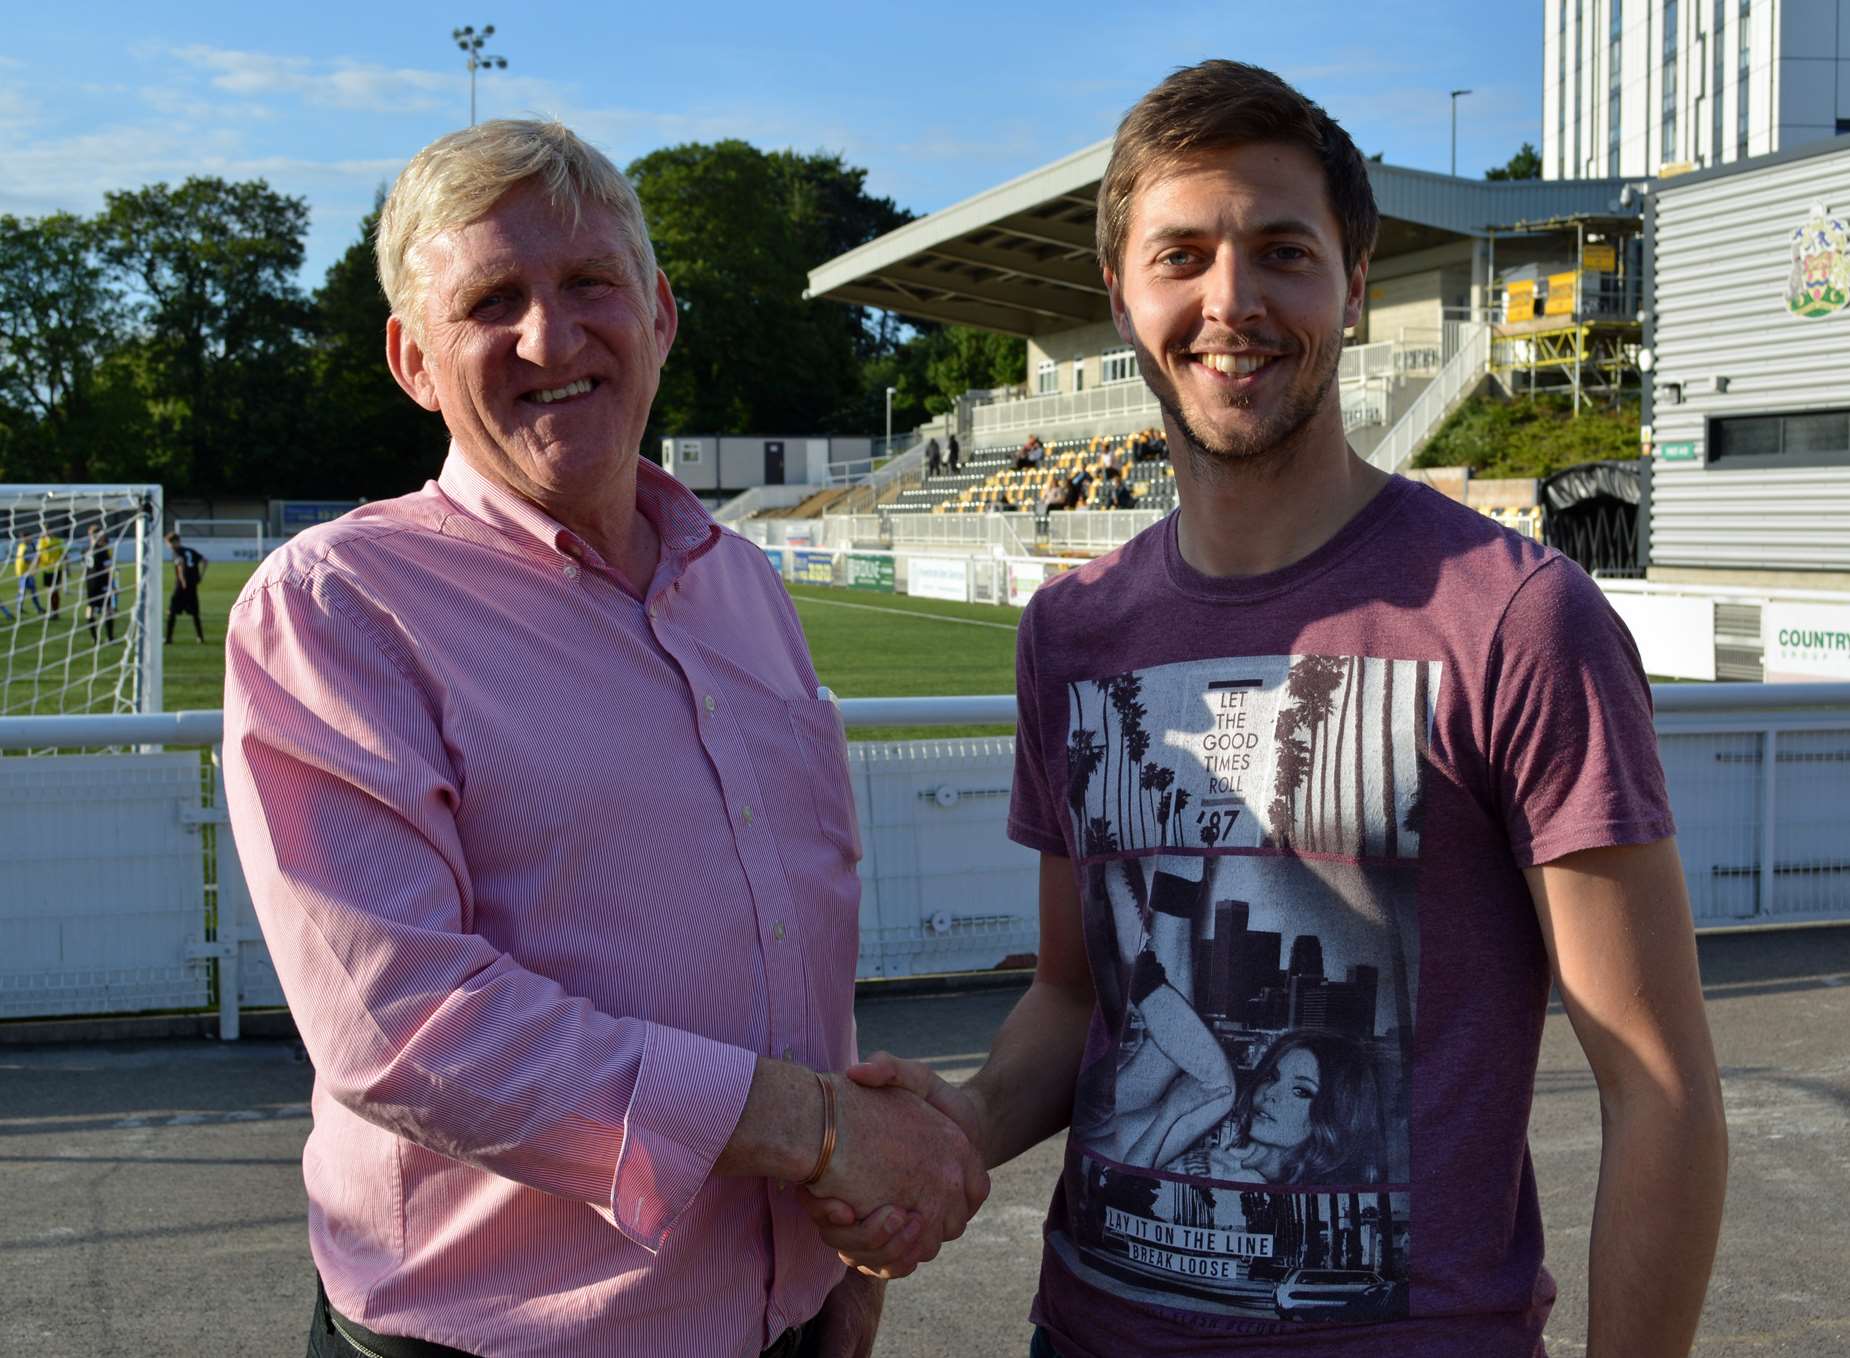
849	1317
889	1243
895	1148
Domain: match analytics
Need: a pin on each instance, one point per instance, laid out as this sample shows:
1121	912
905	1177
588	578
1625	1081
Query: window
1561	95
1718	69
1046	377
1079	372
1118	365
1615	66
1579	39
1667	104
1743	84
1815	438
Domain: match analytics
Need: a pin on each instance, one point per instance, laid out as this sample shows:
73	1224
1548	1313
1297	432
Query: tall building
1637	88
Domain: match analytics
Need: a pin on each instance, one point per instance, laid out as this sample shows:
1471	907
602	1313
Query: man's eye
592	285
1175	259
488	302
1290	254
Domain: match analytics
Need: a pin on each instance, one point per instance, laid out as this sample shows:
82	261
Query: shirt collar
679	518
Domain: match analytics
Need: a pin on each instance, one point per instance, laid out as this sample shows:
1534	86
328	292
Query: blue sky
328	101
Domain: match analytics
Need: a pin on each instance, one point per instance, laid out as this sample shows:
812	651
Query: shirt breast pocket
823	741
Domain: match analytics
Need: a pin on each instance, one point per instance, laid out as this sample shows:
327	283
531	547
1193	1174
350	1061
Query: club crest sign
1819	283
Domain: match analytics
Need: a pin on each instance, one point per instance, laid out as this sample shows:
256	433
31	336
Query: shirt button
710	703
777	931
571	570
651	612
746	812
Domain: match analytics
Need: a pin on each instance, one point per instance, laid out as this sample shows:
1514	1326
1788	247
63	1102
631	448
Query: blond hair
459	177
1218	104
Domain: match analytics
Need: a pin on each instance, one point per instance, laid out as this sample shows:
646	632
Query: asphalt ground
151	1195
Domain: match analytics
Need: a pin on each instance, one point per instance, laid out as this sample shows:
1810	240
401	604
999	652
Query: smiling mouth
1235	365
548	395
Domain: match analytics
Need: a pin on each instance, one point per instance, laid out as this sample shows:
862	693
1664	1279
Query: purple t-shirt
1298	807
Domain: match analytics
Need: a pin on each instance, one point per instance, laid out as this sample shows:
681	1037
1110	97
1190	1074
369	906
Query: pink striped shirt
542	866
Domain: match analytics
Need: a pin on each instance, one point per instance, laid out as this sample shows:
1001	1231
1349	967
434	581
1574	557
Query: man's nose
1232	294
549	332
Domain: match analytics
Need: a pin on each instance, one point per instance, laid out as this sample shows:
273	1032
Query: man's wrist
780	1130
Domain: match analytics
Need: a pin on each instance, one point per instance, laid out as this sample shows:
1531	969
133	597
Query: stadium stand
989	479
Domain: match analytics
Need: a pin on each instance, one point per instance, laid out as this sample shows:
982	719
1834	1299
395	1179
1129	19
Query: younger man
1331	778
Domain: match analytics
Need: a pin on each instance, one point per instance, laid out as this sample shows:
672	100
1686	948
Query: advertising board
938	577
1806	643
870	572
1675	636
776	555
1024	578
814	568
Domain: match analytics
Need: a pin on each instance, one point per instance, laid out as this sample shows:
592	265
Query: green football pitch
865	646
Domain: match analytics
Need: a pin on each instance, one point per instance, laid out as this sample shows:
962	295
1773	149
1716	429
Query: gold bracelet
827	1152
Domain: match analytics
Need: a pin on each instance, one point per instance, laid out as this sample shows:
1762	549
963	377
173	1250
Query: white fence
123	893
1461	372
1055	411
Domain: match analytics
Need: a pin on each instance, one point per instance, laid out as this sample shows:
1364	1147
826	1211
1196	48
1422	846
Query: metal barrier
100	851
1461	373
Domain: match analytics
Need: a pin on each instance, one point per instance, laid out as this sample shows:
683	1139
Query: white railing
1130	401
1002	531
1759	780
1097	529
1360	362
760	498
1462	372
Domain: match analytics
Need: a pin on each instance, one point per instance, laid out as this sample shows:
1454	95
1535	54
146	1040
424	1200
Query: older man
548	827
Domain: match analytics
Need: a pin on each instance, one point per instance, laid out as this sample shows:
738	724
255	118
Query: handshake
908	1170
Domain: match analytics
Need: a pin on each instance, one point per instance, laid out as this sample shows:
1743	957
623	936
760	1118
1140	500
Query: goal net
80	599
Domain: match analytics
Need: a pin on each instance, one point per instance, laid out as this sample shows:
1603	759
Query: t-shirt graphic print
1248	829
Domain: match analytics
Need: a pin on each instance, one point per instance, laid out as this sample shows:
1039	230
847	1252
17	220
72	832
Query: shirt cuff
690	1092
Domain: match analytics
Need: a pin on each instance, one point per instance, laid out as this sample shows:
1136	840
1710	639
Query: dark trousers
184	601
1041	1346
327	1341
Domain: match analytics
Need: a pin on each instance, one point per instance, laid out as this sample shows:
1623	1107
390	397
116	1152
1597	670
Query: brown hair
1219	104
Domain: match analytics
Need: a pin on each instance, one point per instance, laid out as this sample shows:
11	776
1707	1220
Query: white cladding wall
1722	252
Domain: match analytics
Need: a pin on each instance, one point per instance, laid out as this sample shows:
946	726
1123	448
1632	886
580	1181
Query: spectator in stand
933	459
1117	490
1049	498
99	571
1076	487
953	452
1031	454
188	568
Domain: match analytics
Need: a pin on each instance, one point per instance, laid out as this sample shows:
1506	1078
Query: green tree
210	267
1525	164
59	315
737	229
375	441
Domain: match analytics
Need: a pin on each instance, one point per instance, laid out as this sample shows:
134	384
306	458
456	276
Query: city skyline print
1250	830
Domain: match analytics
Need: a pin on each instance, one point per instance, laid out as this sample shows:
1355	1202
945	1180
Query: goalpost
81	626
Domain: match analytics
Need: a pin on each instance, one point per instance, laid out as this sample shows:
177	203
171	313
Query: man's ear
1115	292
667	317
405	357
1357	294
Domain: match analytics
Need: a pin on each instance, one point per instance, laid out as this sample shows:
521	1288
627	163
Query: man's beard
1270	448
